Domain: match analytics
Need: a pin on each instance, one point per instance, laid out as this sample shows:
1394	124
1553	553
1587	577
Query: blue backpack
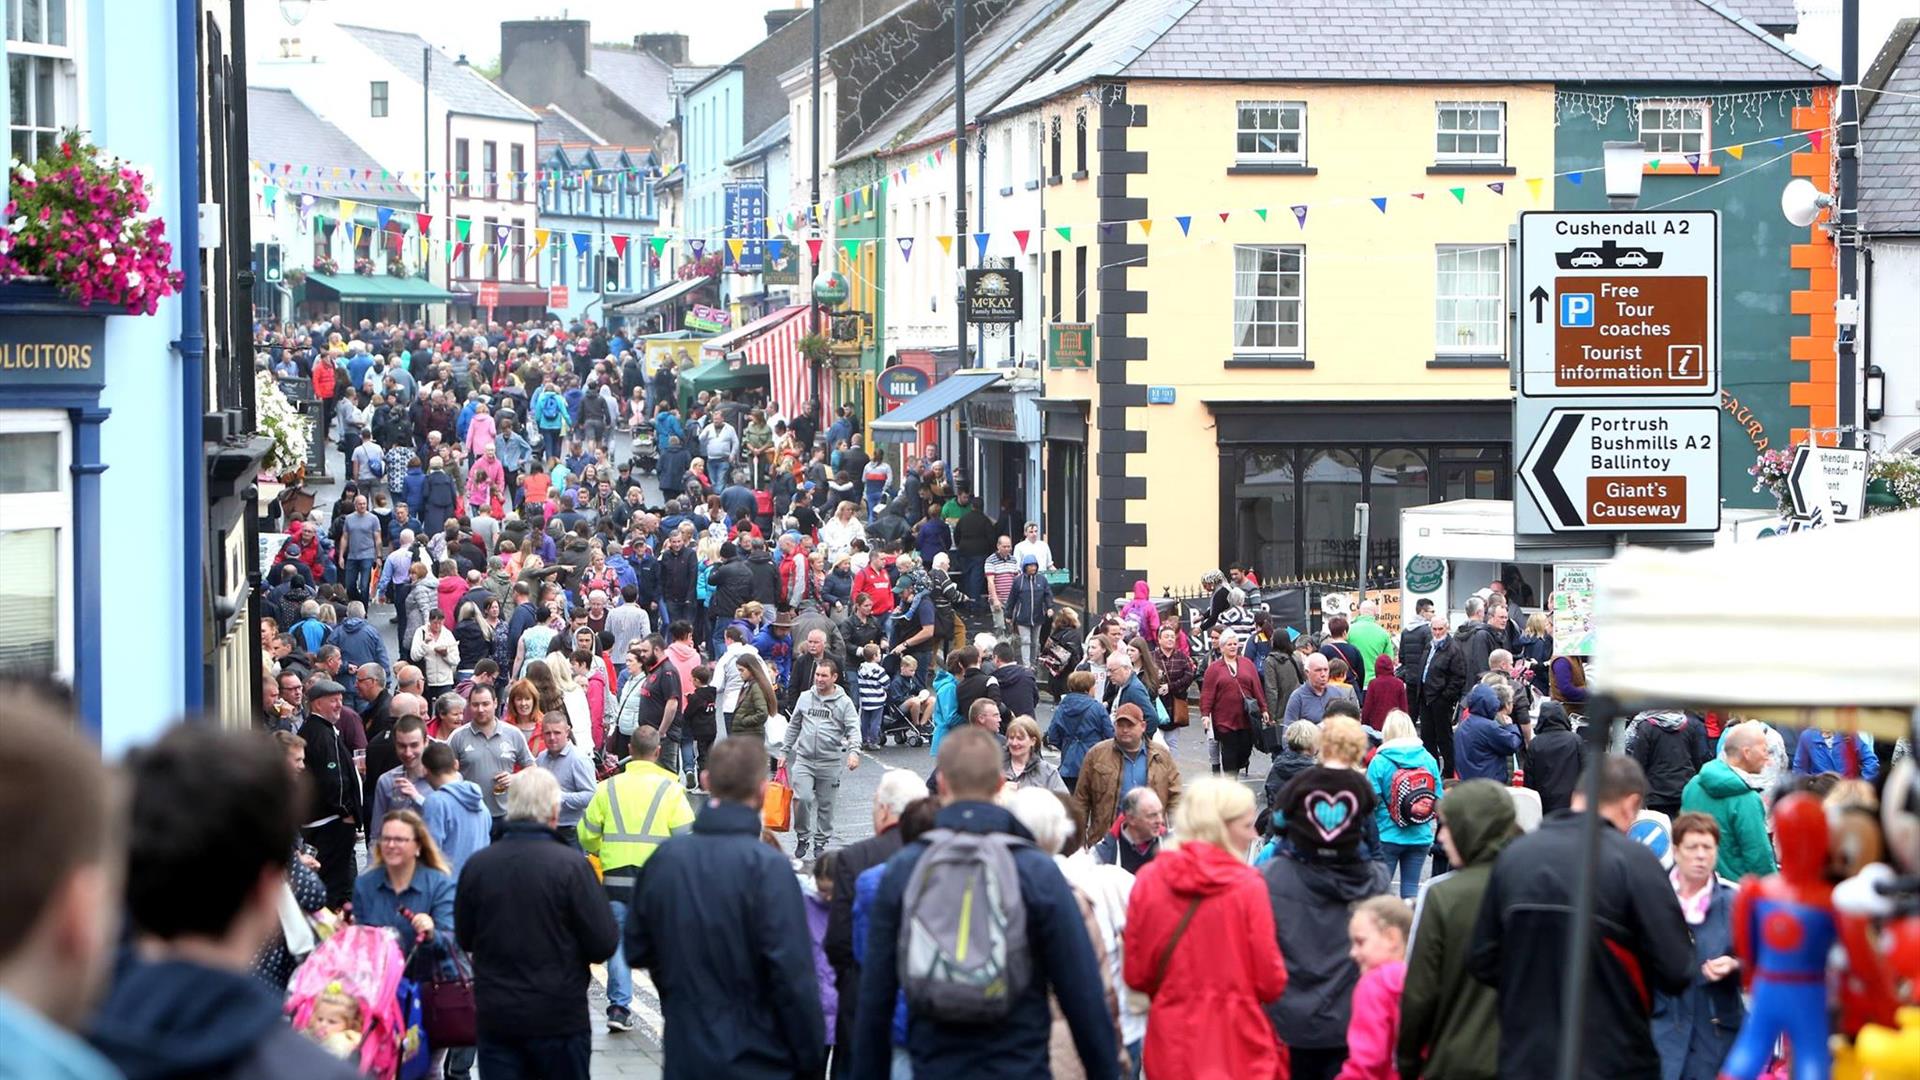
553	410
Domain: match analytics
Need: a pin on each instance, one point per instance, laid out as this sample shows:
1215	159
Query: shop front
510	302
1064	523
1004	424
1292	472
380	297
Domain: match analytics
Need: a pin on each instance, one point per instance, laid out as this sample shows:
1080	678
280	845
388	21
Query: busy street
939	540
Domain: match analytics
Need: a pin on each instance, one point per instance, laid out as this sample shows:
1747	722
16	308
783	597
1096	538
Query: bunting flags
620	244
424	221
1693	162
980	241
1736	152
946	244
1262	212
383	215
1020	237
347	207
540	240
1146	227
734	247
659	245
697	245
1381	202
1459	194
462	229
1814	138
852	248
1223	216
1573	178
813	250
906	249
1533	187
1497	187
1300	216
1065	231
581	241
1186	223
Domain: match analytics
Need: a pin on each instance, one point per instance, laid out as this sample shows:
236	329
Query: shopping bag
416	1059
776	810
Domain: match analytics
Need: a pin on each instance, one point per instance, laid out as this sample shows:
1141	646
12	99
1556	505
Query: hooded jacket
827	726
1286	765
1641	946
766	579
1385	693
1030	600
1482	744
458	820
359	644
170	1018
1449	1021
439	498
1394	755
1670	746
1724	794
732	583
1079	723
1480	641
1311	904
1554	758
1224	969
447	593
1141	610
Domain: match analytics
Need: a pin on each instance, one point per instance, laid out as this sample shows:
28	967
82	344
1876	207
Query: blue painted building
713	135
125	503
595	199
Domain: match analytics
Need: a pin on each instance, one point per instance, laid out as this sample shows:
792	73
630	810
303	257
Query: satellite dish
1801	202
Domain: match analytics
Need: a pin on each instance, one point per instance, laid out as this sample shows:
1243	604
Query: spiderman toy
1783	928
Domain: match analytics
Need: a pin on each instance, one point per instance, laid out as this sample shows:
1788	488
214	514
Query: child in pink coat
1377	936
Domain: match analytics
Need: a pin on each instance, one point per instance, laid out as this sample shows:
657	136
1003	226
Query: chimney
781	17
669	47
572	35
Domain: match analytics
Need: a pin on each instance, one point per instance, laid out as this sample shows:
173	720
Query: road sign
1619	303
1626	468
1833	478
489	297
556	296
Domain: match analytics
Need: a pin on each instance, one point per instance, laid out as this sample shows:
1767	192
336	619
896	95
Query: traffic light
267	258
613	273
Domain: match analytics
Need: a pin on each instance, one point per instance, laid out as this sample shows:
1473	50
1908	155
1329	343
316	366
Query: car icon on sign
1585	258
1631	258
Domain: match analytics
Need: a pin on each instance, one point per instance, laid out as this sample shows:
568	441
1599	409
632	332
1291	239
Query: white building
1890	248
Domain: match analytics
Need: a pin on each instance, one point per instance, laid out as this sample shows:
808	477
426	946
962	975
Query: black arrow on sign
1801	504
1543	470
1539	298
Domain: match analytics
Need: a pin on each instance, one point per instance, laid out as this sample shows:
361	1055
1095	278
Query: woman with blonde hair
1536	647
573	698
1405	780
1208	992
1024	767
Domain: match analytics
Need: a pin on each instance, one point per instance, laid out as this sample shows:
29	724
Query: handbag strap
1166	954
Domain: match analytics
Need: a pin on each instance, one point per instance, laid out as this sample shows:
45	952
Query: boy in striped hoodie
873	680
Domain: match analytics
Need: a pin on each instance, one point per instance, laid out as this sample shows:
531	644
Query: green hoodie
1449	1021
1721	792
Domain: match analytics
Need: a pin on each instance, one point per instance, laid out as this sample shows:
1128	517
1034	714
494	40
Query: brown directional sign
1631	331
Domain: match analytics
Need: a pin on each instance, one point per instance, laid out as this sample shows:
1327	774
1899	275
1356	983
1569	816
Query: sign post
557	297
1618	342
1833	478
489	297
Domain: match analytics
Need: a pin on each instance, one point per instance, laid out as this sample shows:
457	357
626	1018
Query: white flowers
108	258
283	422
133	279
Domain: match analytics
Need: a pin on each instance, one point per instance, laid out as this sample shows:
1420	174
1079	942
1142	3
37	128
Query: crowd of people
603	689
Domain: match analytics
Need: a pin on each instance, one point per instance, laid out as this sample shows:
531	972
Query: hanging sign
1833	478
702	319
901	383
993	296
1069	345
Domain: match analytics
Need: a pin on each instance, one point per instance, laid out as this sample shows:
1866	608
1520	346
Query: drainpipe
192	348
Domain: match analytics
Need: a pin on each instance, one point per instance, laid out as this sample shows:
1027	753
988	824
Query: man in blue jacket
1485	742
735	969
1015	1046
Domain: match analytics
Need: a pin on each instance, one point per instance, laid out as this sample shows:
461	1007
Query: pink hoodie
1375	1024
481	431
684	659
1143	612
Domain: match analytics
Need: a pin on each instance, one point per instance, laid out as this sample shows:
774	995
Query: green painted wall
1756	281
849	179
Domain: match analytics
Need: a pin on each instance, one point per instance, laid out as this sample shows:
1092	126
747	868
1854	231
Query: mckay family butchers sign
993	296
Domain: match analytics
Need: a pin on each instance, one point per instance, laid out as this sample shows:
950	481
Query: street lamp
1624	162
294	11
1876	392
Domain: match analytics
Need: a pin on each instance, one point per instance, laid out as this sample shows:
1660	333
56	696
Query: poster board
1570	606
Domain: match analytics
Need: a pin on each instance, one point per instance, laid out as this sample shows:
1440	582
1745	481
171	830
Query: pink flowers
76	221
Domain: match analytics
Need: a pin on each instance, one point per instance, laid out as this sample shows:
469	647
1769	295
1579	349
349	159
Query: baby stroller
364	963
645	456
897	723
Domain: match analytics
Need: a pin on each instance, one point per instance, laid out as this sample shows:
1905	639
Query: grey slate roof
281	129
1780	15
762	144
1555	41
556	126
640	79
462	88
1890	138
1113	43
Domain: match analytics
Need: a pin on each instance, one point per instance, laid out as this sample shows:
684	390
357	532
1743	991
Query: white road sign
1834	478
1620	303
1627	468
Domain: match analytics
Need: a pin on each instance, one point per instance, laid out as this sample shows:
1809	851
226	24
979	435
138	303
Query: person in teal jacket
946	706
1403	843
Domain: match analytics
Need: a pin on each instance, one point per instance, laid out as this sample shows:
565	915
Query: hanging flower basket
283	422
1769	472
1893	483
79	220
363	266
296	276
325	264
396	268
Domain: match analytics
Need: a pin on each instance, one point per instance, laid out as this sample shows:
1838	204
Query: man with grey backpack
983	927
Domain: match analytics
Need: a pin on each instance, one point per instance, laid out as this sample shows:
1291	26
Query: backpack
1411	797
552	410
963	950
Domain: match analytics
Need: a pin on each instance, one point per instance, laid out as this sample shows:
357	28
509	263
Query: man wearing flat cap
329	825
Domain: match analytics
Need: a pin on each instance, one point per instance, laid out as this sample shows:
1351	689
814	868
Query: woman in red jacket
1200	943
1230	682
1385	693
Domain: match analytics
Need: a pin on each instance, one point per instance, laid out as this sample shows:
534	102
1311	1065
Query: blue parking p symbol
1576	309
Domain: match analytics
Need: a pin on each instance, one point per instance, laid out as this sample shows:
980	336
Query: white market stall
1828	618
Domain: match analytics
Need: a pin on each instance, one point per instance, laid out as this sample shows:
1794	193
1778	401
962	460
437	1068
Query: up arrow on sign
1833	478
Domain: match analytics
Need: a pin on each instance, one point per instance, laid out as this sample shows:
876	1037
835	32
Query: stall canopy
902	424
377	289
666	294
726	343
719	375
1823	618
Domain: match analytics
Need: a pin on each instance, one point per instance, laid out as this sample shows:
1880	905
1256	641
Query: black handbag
446	1005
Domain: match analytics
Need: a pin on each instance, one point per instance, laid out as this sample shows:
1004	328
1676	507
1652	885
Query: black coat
853	860
973	686
1669	752
1415	642
1017	689
679	570
1520	945
766	580
1554	758
735	969
1451	671
732	583
336	783
533	918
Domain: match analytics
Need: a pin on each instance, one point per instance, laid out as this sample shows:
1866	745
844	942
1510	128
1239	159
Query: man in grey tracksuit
823	734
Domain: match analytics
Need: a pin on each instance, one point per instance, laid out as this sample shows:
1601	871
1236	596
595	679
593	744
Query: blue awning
902	424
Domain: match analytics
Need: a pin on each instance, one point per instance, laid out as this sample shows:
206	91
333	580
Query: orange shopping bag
776	811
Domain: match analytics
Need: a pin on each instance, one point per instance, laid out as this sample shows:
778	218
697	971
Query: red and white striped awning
777	346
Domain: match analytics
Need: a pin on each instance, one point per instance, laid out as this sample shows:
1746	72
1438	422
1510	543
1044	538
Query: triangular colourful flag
1380	201
581	241
1146	227
946	244
1186	224
852	248
1814	137
383	215
463	229
1736	152
1533	187
453	253
980	240
1421	195
1573	178
347	207
1020	237
540	240
734	247
813	250
1693	162
1778	140
1223	215
1459	194
1262	211
1498	187
906	249
776	248
620	244
1065	231
1300	216
698	246
1654	164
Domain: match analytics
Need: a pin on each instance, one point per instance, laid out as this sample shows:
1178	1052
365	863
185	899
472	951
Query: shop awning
902	424
666	294
720	375
379	288
734	339
510	296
